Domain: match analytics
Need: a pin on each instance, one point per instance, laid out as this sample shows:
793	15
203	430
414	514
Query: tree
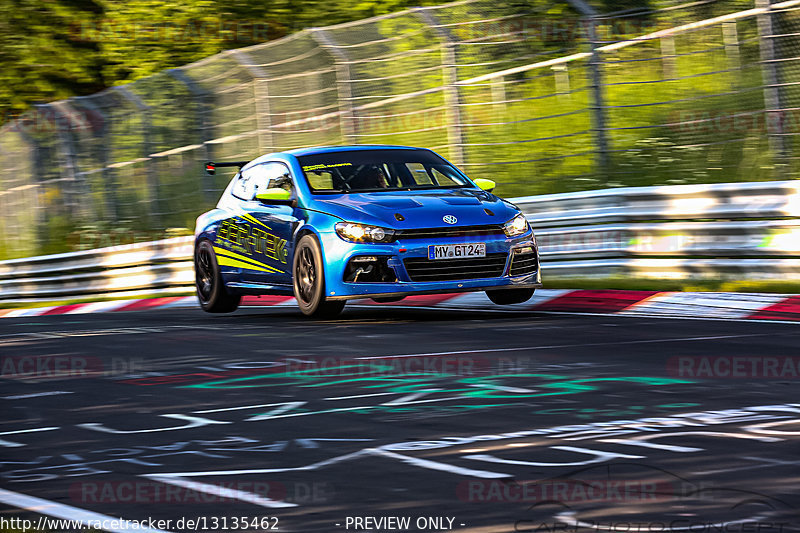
40	58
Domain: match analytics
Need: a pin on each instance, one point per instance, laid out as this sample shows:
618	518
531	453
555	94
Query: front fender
322	226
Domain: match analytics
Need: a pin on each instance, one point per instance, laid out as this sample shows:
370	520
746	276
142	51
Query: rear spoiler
211	167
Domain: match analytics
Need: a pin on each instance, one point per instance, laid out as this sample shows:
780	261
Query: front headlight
516	226
353	232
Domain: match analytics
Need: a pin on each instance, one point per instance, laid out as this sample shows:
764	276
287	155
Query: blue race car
338	223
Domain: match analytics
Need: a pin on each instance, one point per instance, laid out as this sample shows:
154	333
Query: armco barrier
729	230
149	266
719	201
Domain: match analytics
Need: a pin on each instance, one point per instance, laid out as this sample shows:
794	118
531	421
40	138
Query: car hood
418	209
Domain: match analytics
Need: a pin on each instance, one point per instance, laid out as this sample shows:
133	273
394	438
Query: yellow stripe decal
222	252
227	261
235	255
254	264
253	219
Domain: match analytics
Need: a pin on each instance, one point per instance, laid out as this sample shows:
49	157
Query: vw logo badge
450	219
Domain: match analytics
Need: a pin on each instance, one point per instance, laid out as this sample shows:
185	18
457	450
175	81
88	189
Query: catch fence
542	97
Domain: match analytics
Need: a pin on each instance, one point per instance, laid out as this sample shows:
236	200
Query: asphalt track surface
500	421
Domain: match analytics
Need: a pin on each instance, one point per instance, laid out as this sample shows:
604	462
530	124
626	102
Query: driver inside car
365	177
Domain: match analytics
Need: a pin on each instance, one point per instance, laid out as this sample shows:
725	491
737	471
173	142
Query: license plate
456	251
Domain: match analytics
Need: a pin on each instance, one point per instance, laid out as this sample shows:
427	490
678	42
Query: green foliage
39	58
54	49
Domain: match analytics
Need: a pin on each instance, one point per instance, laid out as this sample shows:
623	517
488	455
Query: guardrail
728	230
127	270
719	201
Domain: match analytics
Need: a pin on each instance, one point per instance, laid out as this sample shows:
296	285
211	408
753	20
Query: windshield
379	170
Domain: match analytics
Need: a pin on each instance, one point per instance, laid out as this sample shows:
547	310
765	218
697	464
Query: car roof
328	149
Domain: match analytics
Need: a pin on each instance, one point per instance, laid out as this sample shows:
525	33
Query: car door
271	225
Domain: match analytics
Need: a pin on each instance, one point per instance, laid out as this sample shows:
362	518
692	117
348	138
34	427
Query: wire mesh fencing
541	96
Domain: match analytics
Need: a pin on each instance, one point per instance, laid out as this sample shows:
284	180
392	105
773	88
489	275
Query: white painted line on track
313	466
434	465
36	395
415	461
9	444
502	388
221	492
268	416
361	396
67	512
287	405
552	346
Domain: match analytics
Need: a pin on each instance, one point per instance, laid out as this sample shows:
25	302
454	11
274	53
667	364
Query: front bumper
337	254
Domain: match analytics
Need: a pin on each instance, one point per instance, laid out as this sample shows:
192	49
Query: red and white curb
741	306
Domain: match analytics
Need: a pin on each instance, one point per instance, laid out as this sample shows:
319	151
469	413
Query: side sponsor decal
248	244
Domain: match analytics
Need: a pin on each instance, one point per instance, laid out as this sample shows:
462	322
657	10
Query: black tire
308	279
208	281
510	296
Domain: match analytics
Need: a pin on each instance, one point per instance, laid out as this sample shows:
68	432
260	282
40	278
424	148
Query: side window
247	183
277	176
320	179
241	186
260	178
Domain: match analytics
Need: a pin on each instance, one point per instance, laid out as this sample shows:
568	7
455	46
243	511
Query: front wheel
208	281
510	296
309	280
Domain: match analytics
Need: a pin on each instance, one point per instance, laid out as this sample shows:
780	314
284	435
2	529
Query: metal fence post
344	84
40	215
154	196
730	38
108	176
561	74
772	92
261	98
204	126
668	58
68	166
498	89
455	133
597	106
81	188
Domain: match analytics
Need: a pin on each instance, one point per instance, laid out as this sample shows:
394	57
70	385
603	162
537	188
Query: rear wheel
309	280
208	280
510	296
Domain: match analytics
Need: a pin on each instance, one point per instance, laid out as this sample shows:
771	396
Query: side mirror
486	185
276	196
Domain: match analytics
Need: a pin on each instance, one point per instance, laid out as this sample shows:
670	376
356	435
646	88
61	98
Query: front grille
450	232
423	269
522	264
